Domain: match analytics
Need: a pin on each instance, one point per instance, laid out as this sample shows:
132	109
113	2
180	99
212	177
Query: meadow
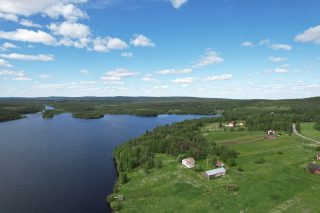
269	176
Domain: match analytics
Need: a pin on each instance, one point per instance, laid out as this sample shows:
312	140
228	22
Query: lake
65	165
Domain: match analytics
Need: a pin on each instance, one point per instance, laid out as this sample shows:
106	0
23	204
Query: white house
189	162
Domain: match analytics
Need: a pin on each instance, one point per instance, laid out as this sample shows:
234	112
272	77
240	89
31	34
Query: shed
313	168
189	162
214	173
318	156
219	164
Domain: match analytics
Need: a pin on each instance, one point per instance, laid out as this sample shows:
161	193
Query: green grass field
280	184
307	129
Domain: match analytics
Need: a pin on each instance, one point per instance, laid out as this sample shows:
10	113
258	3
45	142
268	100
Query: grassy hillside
279	183
307	129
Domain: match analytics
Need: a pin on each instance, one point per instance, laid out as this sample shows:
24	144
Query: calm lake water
64	164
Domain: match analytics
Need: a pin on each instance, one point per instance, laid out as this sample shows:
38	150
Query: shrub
240	169
123	178
280	153
260	161
157	164
198	168
318	148
232	162
232	187
110	198
116	205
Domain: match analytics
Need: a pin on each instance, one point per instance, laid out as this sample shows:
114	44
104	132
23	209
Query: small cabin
214	173
219	164
318	156
313	168
189	162
230	124
271	132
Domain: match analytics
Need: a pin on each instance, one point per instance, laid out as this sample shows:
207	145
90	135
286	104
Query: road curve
301	136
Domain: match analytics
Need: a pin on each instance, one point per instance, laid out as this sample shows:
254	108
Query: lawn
280	184
307	129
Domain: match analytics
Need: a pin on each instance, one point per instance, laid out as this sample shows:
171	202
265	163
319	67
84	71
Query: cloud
4	63
247	44
281	47
265	42
15	75
39	57
9	17
187	80
44	76
178	3
223	77
117	75
28	36
68	11
281	70
70	30
127	55
28	23
174	72
276	59
5	46
84	72
108	43
310	35
31	7
141	41
209	58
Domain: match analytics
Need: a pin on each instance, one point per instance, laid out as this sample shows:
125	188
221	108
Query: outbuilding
219	164
189	162
318	156
214	173
313	168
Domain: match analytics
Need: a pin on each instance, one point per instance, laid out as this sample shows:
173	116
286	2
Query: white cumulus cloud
28	36
178	3
276	59
281	47
223	77
174	71
108	43
247	44
117	75
141	41
209	58
187	80
4	63
310	35
28	23
15	75
39	57
70	30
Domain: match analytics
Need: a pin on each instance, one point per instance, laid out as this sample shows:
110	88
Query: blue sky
204	48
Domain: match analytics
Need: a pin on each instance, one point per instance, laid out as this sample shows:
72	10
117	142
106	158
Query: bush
158	164
123	178
260	161
110	198
280	153
232	187
318	148
116	205
240	169
198	168
232	162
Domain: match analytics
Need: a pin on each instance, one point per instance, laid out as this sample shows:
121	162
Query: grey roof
216	171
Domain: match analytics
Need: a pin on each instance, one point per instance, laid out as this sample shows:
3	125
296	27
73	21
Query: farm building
231	124
318	156
271	132
214	173
219	164
313	168
188	162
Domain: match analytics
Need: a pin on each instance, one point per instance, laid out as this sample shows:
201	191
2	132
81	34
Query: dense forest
182	140
258	114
